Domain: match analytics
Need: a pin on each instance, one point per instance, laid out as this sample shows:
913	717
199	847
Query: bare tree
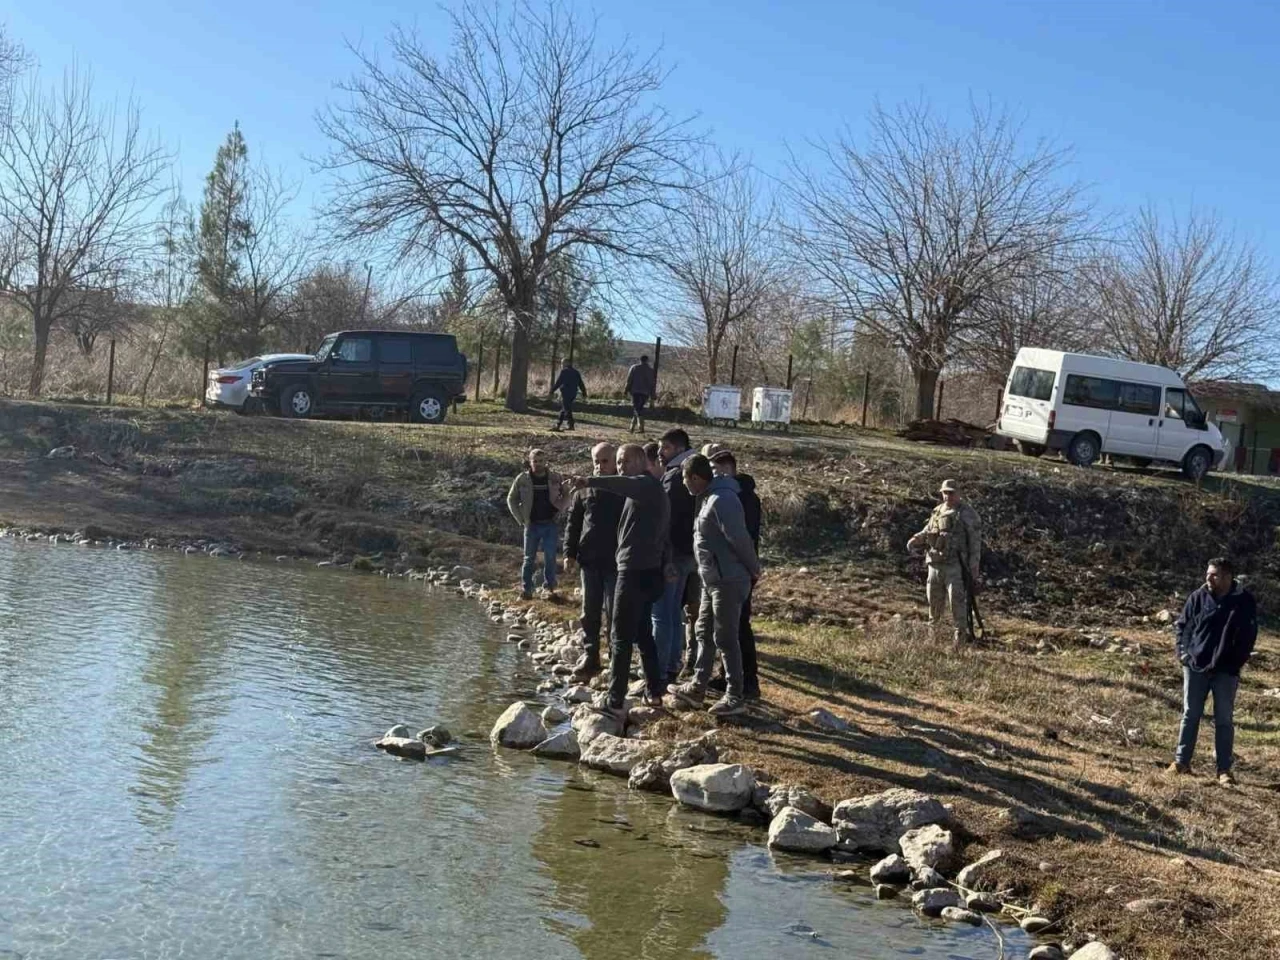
1046	303
274	258
170	282
13	60
1190	296
909	233
529	140
720	250
75	184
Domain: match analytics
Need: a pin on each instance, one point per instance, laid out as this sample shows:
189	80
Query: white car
229	386
1086	406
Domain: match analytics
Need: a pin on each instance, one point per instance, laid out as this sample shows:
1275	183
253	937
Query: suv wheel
297	402
1084	449
1197	463
428	407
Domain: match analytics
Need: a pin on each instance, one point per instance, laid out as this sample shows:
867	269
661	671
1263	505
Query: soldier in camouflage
953	542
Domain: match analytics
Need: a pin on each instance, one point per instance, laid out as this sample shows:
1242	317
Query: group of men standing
658	545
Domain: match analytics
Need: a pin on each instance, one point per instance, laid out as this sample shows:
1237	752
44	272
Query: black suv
374	369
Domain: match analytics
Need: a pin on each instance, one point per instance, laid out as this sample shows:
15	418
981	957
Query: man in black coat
726	465
1215	636
570	384
591	542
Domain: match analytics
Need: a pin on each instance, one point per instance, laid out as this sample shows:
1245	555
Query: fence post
479	368
733	368
938	413
657	358
573	334
866	394
999	401
789	359
808	391
111	371
497	365
204	376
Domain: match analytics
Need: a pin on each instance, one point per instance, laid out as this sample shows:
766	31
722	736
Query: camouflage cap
949	486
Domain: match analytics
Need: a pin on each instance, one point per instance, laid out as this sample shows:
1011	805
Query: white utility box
771	406
721	403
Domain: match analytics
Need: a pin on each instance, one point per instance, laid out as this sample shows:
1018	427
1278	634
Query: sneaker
1227	778
605	705
688	695
727	706
1178	768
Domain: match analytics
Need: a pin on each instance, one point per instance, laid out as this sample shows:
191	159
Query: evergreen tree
224	231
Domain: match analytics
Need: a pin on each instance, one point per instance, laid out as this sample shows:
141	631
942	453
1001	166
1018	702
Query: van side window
1092	392
1174	401
1140	398
1032	383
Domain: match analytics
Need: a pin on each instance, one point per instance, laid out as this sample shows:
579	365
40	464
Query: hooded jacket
1217	635
751	509
720	538
683	506
591	537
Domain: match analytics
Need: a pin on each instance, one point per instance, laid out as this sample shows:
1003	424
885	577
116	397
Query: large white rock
617	754
782	795
560	746
927	846
793	829
1095	951
980	875
715	787
519	728
588	724
932	902
578	694
878	821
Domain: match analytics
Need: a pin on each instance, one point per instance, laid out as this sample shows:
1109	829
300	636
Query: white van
1087	406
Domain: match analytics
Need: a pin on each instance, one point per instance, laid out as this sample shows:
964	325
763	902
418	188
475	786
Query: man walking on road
1216	634
953	541
570	384
591	541
640	385
728	567
668	613
535	500
642	558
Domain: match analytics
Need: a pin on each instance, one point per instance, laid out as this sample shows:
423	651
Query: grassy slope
1071	711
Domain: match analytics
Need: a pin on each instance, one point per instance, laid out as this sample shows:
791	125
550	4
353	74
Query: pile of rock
431	742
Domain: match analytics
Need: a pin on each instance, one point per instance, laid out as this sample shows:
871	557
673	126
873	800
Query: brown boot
1181	769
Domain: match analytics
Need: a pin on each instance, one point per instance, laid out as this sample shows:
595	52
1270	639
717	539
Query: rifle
973	617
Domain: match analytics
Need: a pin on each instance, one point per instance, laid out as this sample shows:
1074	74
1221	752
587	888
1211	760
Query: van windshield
1032	383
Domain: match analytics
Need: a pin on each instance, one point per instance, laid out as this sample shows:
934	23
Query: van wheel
1084	449
1029	449
428	407
297	402
1197	463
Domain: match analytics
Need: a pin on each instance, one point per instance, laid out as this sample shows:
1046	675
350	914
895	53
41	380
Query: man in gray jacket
728	566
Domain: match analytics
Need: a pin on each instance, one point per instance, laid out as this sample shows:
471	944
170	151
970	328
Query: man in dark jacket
570	384
642	557
726	465
591	541
668	613
641	382
1215	636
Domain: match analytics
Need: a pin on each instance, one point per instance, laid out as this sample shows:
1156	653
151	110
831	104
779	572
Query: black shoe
718	684
751	693
586	668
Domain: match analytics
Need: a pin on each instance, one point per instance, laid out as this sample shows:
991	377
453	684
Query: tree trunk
37	362
926	380
713	362
518	384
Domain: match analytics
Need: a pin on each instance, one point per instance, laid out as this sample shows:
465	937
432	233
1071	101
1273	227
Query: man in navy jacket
1216	634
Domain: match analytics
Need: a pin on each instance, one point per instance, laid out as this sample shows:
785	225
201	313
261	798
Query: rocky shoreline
914	833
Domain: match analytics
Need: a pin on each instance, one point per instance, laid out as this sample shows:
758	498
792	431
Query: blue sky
1172	102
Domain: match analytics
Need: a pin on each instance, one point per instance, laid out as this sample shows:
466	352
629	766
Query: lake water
186	772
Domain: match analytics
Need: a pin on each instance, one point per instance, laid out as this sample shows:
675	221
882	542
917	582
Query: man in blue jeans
1215	636
668	612
535	501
